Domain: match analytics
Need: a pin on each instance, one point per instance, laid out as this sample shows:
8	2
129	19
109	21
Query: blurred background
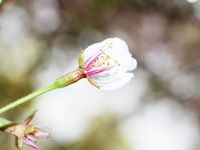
158	110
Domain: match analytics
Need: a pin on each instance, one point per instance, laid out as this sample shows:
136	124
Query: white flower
107	64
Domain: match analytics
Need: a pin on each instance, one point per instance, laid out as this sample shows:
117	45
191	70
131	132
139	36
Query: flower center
101	61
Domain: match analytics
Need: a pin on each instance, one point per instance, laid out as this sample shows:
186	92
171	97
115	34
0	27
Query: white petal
118	43
120	52
132	64
92	50
118	83
108	79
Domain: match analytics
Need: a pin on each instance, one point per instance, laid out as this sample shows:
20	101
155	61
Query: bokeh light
158	109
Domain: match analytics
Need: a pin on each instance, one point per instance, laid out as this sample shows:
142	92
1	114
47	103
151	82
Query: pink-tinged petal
31	144
94	72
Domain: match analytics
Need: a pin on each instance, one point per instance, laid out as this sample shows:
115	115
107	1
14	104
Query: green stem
27	98
1	2
4	123
62	81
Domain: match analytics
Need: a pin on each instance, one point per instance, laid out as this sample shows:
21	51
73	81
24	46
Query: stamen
30	144
91	59
93	72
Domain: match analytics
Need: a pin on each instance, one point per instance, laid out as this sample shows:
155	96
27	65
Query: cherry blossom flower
27	133
107	64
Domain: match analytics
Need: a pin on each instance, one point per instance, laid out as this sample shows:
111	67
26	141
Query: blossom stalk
59	83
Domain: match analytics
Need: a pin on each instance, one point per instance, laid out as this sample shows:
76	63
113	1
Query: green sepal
93	82
4	123
81	60
30	117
